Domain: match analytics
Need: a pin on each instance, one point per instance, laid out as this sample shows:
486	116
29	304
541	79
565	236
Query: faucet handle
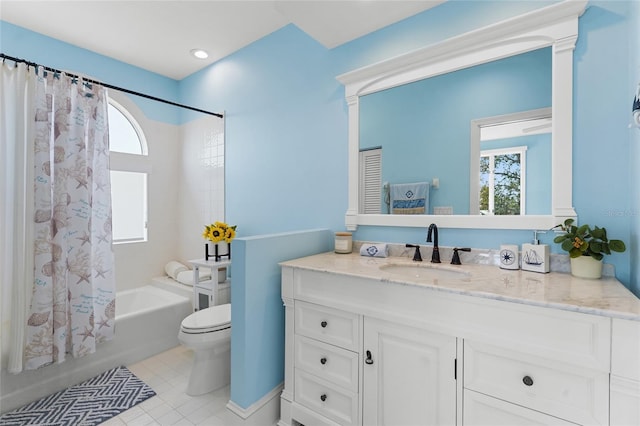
416	256
455	260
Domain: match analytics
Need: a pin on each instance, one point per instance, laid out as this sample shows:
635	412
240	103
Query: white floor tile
193	405
170	418
202	413
143	420
168	374
131	414
151	403
159	411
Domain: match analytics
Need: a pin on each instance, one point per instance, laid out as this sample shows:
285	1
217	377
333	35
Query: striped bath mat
88	403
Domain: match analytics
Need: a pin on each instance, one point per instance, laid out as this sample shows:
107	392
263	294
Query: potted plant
220	235
586	248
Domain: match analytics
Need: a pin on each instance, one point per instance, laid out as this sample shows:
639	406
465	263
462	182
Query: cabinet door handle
323	324
369	360
323	360
528	381
323	397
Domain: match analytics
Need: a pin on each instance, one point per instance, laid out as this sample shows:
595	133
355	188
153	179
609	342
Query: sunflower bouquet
219	231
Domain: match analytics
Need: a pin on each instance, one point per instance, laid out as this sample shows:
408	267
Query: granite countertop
606	296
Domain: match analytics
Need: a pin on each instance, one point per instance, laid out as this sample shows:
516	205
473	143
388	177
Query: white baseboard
265	411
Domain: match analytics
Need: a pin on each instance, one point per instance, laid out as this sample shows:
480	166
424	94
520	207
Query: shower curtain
72	288
17	88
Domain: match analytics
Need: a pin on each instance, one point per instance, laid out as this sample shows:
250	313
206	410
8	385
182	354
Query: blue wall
257	317
601	116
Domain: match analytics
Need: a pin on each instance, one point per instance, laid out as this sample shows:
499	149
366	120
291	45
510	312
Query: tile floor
168	373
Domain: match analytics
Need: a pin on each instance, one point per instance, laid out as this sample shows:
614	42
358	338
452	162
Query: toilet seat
208	320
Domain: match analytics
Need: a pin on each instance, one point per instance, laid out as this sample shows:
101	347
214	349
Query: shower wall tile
201	184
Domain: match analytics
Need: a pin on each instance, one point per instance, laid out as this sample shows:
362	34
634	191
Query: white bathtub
147	322
144	301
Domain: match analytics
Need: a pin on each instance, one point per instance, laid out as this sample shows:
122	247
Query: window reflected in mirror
502	181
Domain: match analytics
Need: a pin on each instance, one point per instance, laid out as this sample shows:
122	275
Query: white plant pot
586	267
222	249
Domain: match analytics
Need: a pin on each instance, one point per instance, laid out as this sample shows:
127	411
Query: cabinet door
409	376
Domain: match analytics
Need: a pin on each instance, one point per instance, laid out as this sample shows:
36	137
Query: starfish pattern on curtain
73	302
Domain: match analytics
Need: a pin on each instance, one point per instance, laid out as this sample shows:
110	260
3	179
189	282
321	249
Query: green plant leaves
584	230
599	233
617	245
590	242
561	238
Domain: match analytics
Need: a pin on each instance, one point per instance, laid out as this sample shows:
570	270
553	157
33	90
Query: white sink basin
424	271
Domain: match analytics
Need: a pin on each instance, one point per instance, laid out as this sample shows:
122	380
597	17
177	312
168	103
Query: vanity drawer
572	393
326	398
574	338
483	410
328	325
334	364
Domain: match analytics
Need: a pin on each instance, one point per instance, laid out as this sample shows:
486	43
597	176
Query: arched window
129	168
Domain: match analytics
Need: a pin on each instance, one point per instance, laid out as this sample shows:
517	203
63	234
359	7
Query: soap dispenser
535	256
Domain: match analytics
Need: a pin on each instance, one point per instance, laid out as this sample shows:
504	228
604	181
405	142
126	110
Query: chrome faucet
435	254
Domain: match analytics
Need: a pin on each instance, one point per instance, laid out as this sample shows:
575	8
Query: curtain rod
109	86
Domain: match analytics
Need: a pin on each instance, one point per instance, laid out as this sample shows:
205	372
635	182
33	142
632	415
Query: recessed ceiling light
199	53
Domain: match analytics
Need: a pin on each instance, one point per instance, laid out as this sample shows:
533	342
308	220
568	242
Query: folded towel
410	198
374	250
173	268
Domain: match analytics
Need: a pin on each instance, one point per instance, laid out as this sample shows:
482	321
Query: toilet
208	333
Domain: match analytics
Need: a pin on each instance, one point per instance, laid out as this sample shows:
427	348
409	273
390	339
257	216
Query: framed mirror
386	113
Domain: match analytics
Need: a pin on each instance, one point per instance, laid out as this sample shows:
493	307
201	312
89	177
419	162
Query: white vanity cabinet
352	367
364	350
408	374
